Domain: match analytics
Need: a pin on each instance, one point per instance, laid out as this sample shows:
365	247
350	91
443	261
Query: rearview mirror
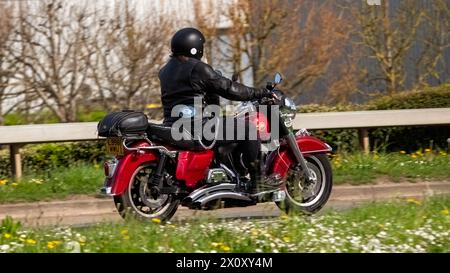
278	78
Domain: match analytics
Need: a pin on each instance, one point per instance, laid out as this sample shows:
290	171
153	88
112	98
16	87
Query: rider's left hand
276	96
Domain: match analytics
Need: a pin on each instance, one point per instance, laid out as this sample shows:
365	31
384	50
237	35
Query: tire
321	168
130	205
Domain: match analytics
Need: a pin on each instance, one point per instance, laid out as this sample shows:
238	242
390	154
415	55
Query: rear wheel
308	198
137	202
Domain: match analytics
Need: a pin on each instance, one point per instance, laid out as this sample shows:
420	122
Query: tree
129	53
50	41
405	41
435	41
299	38
7	66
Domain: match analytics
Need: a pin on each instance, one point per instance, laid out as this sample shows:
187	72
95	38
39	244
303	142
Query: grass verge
359	168
58	183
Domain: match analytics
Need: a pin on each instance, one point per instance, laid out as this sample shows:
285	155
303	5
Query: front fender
280	161
127	165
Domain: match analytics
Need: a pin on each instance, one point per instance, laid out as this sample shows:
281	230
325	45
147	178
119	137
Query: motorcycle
151	175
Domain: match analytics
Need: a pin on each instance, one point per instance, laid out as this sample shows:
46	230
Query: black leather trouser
248	146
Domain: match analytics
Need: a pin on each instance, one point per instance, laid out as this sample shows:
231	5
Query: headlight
290	104
288	111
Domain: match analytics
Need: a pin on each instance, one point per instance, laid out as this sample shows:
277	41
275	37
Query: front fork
292	144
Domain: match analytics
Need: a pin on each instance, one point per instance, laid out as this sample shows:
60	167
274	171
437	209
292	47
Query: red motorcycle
151	174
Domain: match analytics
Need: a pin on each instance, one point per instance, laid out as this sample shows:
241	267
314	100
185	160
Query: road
96	210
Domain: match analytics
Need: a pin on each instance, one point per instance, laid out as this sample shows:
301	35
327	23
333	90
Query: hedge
45	157
396	138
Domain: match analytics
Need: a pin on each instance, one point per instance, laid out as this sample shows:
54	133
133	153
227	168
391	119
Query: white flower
4	248
73	247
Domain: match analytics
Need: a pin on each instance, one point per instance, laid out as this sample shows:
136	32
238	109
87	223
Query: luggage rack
162	149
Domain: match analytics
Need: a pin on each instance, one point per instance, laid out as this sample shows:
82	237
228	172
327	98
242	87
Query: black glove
264	93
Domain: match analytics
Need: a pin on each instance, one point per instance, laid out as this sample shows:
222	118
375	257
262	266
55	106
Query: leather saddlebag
117	124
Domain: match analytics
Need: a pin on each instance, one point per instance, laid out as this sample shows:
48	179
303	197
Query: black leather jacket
184	79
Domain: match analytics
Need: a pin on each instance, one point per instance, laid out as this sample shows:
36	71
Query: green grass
364	169
353	168
57	183
403	226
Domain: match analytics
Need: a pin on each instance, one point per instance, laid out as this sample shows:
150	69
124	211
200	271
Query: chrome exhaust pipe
208	190
222	195
200	197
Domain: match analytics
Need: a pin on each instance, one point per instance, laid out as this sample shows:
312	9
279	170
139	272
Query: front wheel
137	202
308	198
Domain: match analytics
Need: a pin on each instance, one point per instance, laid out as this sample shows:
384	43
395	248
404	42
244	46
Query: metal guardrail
16	136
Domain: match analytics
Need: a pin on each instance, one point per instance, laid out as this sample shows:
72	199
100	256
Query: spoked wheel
137	201
302	197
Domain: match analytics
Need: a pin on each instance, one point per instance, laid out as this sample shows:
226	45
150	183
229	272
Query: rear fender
280	161
127	165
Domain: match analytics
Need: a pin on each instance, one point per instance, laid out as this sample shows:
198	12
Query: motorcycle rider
185	77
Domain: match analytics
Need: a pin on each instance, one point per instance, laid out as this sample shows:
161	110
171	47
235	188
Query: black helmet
188	42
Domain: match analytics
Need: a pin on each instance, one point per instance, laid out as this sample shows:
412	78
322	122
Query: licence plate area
114	146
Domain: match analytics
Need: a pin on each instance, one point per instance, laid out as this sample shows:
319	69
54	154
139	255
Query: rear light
110	167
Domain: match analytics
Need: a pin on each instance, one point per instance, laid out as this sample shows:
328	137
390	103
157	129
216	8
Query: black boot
259	182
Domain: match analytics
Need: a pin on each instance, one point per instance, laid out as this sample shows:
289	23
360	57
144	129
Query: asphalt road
96	210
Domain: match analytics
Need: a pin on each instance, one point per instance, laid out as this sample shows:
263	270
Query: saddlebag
124	123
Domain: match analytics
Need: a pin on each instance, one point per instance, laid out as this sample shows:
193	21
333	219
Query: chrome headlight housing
288	111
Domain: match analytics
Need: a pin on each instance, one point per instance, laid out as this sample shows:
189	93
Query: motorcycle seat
161	133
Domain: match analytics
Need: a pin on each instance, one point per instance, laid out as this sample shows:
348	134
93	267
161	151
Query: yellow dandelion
427	150
286	239
226	248
443	153
156	220
402	152
53	244
3	182
284	217
14	184
214	244
153	105
414	201
124	232
414	156
7	235
254	232
445	212
30	241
